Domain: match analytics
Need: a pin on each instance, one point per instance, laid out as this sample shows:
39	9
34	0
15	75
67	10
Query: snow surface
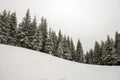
23	64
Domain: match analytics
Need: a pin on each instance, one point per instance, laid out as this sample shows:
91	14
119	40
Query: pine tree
67	51
108	56
65	47
33	31
72	48
49	44
97	53
25	32
60	49
33	26
8	26
37	41
79	56
43	28
4	23
101	51
54	39
117	42
12	29
59	37
89	57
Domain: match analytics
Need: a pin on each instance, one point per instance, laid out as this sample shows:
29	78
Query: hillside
23	64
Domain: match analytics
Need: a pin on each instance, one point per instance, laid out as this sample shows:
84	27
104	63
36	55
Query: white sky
88	20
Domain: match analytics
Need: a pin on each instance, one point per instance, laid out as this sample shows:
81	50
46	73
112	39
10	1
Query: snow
23	64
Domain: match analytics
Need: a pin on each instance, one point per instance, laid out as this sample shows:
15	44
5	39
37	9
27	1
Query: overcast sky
88	20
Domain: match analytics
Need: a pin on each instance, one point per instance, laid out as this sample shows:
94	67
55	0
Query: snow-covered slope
23	64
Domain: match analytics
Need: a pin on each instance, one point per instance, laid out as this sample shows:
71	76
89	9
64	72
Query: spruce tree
37	41
60	49
108	56
49	43
97	53
67	51
59	37
8	26
4	23
54	39
72	48
43	28
33	26
79	56
89	56
25	32
117	42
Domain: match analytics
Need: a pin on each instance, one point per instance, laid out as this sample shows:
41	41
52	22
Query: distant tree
59	37
89	56
117	42
79	56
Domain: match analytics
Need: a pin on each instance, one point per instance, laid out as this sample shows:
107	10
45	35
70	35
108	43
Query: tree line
29	34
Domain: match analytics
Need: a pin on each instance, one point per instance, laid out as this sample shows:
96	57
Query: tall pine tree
108	55
43	28
97	53
24	31
72	48
49	43
79	56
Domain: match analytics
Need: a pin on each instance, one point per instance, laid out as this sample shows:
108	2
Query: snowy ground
23	64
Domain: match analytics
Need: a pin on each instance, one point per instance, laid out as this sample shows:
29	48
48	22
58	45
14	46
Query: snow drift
23	64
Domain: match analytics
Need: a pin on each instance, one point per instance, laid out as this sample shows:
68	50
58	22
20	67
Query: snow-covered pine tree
49	43
33	32
8	26
72	48
108	56
37	41
79	56
117	42
101	51
59	37
89	56
65	47
24	31
54	39
60	48
12	30
43	28
117	47
97	53
67	51
4	23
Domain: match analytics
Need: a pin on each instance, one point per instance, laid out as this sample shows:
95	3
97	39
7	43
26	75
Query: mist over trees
36	36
